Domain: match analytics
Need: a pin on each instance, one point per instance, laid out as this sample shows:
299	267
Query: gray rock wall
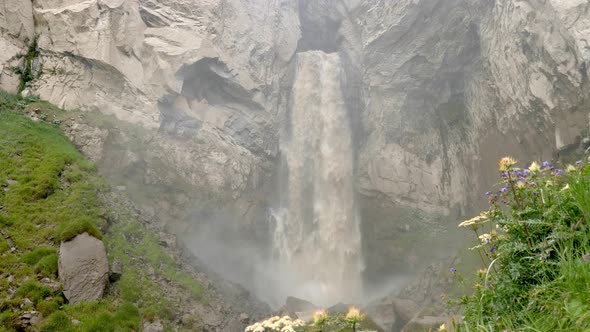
182	101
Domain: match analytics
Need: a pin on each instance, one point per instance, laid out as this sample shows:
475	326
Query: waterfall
316	236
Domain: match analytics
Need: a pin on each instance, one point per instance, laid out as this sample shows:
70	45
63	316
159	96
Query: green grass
50	193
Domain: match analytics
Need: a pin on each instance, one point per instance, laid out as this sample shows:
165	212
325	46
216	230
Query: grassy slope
49	193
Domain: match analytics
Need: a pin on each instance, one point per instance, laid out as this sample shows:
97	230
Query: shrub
36	255
47	266
34	291
57	322
533	242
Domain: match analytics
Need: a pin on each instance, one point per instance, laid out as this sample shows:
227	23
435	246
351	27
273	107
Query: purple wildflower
507	331
505	174
492	249
578	162
452	270
546	164
503	190
488	193
533	183
535	193
558	172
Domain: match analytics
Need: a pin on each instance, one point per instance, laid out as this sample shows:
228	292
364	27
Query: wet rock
426	323
116	271
83	268
405	309
168	240
244	318
155	326
383	313
294	304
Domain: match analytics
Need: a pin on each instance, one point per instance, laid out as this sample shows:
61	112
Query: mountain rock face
182	101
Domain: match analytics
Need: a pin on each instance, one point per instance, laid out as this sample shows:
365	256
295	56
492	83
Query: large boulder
83	268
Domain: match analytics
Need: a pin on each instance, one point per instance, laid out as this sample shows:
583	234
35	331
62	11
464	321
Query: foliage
49	193
26	72
322	321
534	246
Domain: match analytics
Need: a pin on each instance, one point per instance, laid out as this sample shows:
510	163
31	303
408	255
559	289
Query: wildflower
442	327
578	163
452	270
534	167
533	183
479	220
298	322
481	272
505	163
485	238
503	190
493	249
320	317
520	184
558	172
353	317
488	193
288	328
570	168
546	164
526	172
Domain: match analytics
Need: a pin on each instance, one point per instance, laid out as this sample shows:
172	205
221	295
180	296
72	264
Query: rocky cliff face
182	101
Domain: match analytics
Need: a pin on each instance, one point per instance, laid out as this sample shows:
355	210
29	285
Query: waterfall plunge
317	238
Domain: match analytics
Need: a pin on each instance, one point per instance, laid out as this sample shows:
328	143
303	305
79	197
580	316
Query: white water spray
317	239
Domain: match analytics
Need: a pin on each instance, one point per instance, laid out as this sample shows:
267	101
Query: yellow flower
570	168
481	272
520	184
442	327
534	167
354	314
320	317
505	163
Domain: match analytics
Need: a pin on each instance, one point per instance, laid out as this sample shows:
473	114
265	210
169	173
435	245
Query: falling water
317	237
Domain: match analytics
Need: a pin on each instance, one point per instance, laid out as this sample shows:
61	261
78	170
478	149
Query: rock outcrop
83	268
184	100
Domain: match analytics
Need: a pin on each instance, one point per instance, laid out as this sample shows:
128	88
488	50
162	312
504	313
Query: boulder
383	313
83	268
155	326
426	323
294	304
405	309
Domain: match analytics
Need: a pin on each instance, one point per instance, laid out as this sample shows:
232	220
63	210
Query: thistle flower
534	167
320	317
505	163
353	317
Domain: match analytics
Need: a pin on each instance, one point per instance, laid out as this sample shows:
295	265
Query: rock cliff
182	101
